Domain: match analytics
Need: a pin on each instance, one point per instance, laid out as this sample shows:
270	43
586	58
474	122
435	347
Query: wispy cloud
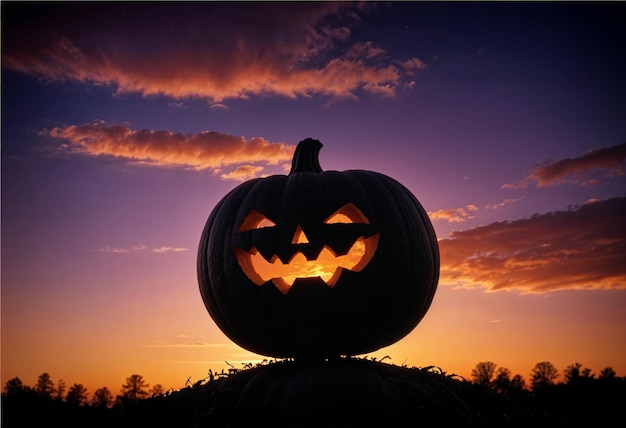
579	248
206	150
454	215
502	203
141	248
188	344
583	170
218	106
170	250
208	50
114	250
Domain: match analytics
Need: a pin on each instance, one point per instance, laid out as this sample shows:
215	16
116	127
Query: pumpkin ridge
405	203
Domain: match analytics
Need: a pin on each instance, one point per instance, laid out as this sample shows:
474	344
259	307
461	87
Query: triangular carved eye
255	220
349	213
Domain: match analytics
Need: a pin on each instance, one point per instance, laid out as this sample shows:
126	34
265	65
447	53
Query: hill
345	392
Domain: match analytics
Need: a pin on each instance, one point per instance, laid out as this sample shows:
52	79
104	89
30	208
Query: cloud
206	150
579	248
141	248
114	250
208	50
454	214
219	106
412	65
244	172
367	50
170	250
583	170
502	204
180	344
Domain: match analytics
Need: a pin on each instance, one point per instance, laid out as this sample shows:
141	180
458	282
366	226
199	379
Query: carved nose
299	237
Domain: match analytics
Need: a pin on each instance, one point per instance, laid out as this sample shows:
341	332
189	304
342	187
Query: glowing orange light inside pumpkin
327	266
255	220
299	237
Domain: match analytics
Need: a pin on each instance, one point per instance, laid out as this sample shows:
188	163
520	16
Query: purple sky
124	124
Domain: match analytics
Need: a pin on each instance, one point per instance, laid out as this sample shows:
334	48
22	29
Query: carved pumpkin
318	263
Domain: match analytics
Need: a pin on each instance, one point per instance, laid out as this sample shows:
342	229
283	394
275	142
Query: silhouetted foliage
102	398
14	387
483	373
507	385
574	373
135	388
77	394
488	375
343	392
607	373
59	393
156	390
584	400
45	386
543	374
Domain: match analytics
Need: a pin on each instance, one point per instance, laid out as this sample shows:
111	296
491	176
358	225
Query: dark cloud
580	248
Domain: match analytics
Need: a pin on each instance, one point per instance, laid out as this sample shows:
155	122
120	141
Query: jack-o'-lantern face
327	264
317	264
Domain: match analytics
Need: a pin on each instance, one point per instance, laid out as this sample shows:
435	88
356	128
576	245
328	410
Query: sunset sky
124	124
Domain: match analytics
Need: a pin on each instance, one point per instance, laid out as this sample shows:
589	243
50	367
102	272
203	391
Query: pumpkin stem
306	156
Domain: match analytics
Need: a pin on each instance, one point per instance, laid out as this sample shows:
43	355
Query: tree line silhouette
580	399
135	388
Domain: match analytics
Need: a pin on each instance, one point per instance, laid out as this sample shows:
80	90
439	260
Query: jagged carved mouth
327	266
